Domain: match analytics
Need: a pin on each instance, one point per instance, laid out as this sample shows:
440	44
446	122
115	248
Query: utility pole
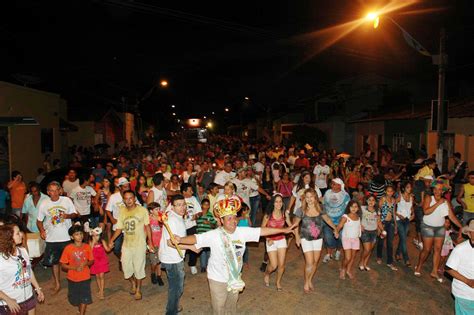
441	158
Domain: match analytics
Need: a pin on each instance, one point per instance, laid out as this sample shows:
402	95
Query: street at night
266	157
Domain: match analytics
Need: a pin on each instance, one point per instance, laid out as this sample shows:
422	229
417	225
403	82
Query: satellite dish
27	78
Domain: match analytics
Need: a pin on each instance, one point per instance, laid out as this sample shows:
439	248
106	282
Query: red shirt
74	256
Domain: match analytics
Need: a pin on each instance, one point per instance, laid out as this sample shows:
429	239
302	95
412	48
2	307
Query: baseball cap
123	181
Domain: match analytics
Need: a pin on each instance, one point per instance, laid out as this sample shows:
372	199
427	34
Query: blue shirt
3	198
32	211
335	204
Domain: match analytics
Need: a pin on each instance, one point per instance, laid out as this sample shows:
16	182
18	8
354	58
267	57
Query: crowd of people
176	201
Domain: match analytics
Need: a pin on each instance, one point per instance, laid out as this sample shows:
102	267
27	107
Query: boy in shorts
76	260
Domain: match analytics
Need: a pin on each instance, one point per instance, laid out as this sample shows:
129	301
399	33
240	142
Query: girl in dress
100	248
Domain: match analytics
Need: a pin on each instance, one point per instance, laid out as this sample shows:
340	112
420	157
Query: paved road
380	291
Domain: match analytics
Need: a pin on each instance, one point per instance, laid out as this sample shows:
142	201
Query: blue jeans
403	227
329	240
118	245
254	205
390	229
175	274
204	257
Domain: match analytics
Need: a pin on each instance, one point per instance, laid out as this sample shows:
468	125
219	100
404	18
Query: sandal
367	268
361	268
417	274
379	261
279	289
439	279
392	267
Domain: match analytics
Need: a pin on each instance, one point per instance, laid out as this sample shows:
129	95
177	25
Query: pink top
101	261
276	223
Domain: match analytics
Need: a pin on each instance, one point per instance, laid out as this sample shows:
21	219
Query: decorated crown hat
228	206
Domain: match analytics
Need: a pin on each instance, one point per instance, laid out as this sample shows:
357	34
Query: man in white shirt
70	182
170	258
158	193
225	175
54	221
193	211
321	172
227	245
461	267
82	198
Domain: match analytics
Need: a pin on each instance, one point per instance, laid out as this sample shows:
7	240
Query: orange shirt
17	193
74	256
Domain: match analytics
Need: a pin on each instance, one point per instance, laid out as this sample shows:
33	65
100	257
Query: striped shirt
206	223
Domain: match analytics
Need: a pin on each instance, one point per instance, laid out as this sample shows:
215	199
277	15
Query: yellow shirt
469	197
424	171
132	223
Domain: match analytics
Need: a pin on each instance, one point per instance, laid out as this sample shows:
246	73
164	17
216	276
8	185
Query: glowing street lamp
209	125
373	17
174	114
164	83
226	109
173	106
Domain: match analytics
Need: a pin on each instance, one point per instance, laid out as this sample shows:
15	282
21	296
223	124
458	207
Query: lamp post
441	61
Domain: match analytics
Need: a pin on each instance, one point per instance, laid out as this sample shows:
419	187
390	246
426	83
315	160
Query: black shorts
25	307
368	236
79	292
53	252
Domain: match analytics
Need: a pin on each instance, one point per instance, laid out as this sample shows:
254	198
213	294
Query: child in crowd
244	220
205	222
351	231
76	260
100	248
156	231
448	245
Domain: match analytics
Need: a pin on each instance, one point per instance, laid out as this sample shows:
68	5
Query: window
47	140
397	141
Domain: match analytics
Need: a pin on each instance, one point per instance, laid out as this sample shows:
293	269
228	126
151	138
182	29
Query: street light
174	114
173	106
226	109
373	17
164	83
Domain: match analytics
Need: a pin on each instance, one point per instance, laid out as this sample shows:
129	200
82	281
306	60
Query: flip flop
361	268
417	274
367	269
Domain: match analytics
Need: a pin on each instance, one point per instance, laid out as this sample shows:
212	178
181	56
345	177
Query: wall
411	129
25	141
370	129
85	134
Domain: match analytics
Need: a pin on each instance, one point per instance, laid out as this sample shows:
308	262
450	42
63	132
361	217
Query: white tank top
404	207
351	228
436	218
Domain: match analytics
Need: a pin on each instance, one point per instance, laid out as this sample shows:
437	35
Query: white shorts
276	245
309	246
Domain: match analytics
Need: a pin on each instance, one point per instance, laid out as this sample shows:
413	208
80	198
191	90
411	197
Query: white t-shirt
15	280
170	255
299	194
160	197
68	186
217	266
437	217
321	173
223	177
186	176
244	188
49	213
192	206
82	198
114	204
462	260
253	191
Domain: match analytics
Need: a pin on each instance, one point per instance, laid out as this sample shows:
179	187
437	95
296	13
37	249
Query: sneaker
263	266
160	281
194	270
326	258
154	280
337	256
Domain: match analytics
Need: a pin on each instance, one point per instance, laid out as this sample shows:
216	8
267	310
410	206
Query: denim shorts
53	252
368	236
432	231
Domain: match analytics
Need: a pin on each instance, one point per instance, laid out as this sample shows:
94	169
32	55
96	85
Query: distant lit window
47	140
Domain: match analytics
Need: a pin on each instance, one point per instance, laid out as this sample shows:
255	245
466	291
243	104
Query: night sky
214	53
